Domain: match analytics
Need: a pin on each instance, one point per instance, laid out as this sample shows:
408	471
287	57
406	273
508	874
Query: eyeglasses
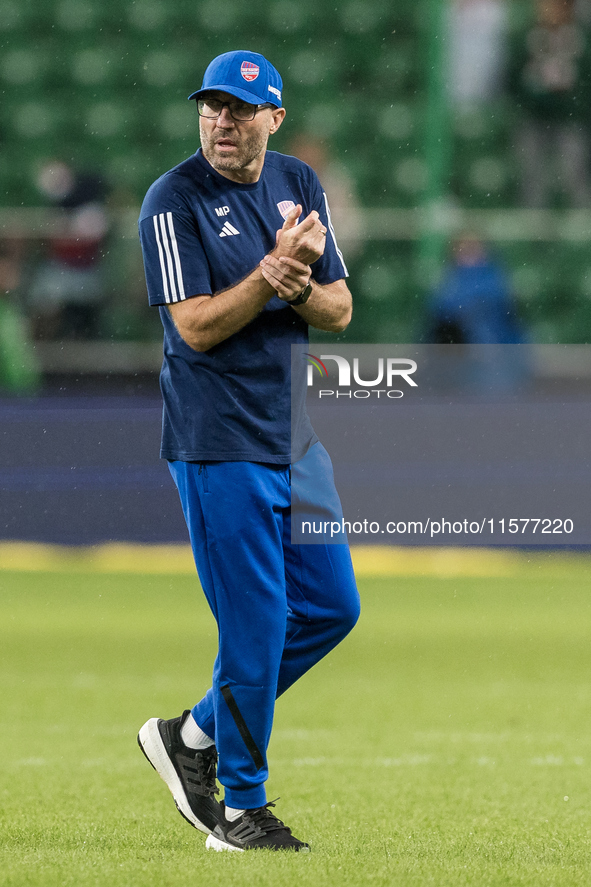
240	111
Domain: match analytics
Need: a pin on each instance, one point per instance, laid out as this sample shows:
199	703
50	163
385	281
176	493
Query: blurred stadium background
101	88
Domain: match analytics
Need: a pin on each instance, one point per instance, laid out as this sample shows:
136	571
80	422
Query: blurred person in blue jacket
473	306
473	302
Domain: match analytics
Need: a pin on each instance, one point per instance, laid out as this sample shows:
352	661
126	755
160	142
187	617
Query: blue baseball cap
247	75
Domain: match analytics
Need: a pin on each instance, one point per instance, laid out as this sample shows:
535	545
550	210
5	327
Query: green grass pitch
446	742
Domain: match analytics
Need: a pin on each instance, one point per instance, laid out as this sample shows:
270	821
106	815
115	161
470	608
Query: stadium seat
311	69
152	16
398	121
108	119
360	17
164	67
22	66
489	174
178	121
216	18
409	174
396	69
78	16
15	17
288	17
34	119
93	66
132	168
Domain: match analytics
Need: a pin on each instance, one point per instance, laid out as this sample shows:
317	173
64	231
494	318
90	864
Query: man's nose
225	118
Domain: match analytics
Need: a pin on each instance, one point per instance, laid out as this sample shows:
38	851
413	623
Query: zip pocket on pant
203	473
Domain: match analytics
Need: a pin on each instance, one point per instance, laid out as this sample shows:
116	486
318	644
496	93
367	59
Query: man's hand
304	242
287	276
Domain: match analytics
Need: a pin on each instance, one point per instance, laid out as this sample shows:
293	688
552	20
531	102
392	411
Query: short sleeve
331	265
174	259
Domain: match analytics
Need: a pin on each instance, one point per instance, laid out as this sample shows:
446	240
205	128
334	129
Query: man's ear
277	119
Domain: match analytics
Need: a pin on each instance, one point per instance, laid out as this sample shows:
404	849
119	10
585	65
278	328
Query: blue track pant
279	607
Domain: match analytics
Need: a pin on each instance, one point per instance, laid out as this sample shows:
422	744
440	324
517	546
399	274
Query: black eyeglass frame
255	109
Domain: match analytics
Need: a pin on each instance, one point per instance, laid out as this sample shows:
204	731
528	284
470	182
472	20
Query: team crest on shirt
284	206
249	71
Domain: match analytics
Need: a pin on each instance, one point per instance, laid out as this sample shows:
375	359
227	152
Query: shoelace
264	819
206	770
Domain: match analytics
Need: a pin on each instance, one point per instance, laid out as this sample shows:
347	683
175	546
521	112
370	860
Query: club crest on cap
249	71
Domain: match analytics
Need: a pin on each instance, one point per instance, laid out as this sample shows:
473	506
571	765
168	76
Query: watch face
303	296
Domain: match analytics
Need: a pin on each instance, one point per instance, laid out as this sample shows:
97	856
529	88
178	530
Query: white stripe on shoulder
161	257
169	266
177	258
332	234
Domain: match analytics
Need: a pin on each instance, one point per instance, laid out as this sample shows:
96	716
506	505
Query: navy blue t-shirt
202	233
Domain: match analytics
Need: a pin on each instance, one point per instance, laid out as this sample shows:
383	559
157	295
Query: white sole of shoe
151	742
214	843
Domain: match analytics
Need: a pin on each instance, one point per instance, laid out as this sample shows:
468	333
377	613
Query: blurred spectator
339	188
19	373
473	303
67	291
477	48
550	80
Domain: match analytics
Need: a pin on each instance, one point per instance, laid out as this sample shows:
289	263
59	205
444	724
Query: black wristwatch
303	296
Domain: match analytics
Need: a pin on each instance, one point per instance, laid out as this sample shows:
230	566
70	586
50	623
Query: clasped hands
287	266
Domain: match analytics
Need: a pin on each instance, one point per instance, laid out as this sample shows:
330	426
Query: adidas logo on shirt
228	230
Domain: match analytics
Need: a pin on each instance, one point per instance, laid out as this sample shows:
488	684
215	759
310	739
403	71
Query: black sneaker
257	828
189	773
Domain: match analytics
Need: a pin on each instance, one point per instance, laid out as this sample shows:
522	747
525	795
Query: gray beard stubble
249	149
